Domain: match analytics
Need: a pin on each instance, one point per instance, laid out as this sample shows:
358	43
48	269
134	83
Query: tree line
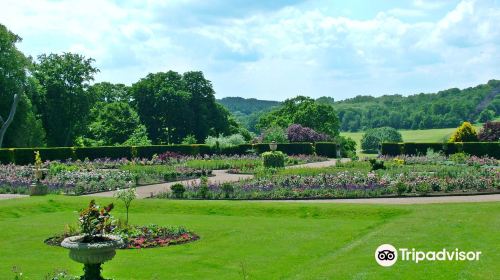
57	104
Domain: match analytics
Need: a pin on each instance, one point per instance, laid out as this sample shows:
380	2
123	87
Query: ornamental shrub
274	159
298	133
178	190
490	132
227	189
400	188
203	191
223	142
347	146
464	133
274	133
126	195
372	138
95	220
376	164
188	140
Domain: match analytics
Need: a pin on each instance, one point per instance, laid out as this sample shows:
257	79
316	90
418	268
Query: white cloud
280	50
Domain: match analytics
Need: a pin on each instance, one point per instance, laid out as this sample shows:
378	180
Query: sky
274	49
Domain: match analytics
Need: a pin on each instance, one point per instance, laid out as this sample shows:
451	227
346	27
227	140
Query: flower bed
139	237
349	182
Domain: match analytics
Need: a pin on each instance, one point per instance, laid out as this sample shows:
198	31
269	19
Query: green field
254	240
425	135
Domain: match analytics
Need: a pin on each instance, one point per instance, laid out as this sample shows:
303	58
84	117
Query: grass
419	136
263	240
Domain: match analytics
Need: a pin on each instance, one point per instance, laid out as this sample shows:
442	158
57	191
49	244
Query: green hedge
326	149
195	149
296	148
237	150
421	148
287	148
6	156
23	156
62	153
113	152
392	149
491	149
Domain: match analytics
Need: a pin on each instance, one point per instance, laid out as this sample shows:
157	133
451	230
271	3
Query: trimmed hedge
237	150
6	156
491	149
114	152
296	148
326	149
287	148
421	148
391	149
195	149
24	156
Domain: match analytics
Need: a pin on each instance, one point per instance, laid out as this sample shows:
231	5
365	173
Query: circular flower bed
137	237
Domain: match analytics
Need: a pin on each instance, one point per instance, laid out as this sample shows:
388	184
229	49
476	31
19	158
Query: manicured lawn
262	240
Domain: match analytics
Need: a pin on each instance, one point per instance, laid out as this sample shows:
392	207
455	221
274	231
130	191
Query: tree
173	106
490	132
464	133
16	87
304	111
274	133
372	138
108	92
486	115
127	196
66	102
113	123
298	133
5	124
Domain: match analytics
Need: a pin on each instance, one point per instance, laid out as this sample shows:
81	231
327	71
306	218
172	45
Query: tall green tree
23	128
66	101
113	123
173	106
304	111
109	92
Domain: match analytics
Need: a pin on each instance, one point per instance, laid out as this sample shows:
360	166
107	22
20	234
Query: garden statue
37	188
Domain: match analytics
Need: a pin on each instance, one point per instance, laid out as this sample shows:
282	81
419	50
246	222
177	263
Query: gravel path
9	196
221	176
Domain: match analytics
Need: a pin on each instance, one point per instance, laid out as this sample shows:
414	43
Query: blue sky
274	49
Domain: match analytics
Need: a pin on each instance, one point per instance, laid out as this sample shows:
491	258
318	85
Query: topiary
274	159
464	133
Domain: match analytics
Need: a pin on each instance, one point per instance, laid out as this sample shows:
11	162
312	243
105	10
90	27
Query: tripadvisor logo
387	255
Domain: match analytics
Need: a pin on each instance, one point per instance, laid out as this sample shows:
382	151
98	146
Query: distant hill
444	109
246	106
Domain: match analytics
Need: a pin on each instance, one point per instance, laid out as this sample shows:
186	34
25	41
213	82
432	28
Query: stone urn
92	254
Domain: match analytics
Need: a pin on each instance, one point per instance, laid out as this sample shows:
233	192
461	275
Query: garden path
220	176
8	196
